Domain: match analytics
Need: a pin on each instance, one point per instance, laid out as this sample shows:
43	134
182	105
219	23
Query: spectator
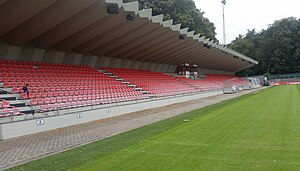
26	90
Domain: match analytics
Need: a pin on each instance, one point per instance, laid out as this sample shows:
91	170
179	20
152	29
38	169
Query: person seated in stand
26	90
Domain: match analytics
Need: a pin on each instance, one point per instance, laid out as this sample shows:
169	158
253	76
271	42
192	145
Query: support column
144	65
38	55
3	50
135	64
53	56
10	52
102	61
72	58
89	60
115	62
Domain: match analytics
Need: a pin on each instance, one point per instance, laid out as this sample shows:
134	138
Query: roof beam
78	22
45	20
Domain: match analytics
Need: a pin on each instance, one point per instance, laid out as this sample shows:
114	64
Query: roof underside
85	27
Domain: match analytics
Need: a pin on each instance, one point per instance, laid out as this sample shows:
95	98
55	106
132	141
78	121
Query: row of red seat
4	104
10	111
22	68
52	79
96	87
58	82
6	110
85	103
71	85
155	83
101	97
52	83
201	84
78	92
41	73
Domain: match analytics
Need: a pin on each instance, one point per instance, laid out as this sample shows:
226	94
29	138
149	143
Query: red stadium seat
40	101
33	101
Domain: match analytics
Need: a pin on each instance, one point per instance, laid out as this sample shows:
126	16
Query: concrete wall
26	127
29	53
209	71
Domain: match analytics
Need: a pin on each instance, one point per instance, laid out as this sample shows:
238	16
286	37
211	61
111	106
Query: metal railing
38	113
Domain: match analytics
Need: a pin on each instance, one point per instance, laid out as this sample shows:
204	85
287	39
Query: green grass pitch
254	132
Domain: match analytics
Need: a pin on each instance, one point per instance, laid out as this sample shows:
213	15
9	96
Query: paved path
27	148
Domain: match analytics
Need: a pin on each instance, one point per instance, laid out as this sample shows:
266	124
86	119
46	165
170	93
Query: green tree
181	11
277	48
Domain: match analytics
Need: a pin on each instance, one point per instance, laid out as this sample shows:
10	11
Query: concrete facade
29	53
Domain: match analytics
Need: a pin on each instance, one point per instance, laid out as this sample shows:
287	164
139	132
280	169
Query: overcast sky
241	15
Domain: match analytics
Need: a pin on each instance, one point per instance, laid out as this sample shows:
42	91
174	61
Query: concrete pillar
115	62
135	64
210	71
72	58
13	52
38	55
171	68
93	61
85	60
126	63
27	53
158	68
151	66
163	68
102	61
89	60
3	50
54	56
77	59
144	65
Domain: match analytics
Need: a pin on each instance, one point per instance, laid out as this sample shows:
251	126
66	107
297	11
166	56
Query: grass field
254	132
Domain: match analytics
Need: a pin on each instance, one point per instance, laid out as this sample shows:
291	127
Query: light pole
224	34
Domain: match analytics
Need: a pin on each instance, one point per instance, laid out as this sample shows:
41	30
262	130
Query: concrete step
107	73
7	90
3	92
17	103
26	110
10	96
132	85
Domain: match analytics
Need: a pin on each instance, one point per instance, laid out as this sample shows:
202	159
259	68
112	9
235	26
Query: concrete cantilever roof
85	27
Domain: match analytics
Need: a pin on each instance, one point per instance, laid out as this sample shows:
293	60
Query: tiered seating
201	84
63	86
4	104
155	83
6	110
220	78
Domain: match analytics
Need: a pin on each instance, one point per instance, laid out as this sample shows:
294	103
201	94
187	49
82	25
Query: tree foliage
181	11
277	48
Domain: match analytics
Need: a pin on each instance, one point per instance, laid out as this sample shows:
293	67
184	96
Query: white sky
241	15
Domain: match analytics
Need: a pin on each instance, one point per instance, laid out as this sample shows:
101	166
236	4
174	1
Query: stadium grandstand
94	59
